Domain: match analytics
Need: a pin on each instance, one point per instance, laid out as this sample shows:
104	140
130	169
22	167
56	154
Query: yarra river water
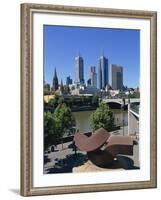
83	119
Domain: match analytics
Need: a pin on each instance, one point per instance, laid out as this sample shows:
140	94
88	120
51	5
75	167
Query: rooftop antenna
103	52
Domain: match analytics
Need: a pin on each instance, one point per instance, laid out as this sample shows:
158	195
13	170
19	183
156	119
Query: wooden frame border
27	11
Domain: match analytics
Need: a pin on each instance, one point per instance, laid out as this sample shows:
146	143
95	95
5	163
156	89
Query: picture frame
27	98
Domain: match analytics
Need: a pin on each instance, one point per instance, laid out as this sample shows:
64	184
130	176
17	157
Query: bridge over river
133	106
121	101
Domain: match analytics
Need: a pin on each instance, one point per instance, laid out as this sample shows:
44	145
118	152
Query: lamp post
128	115
123	105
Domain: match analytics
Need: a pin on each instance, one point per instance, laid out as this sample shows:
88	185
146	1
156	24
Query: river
83	119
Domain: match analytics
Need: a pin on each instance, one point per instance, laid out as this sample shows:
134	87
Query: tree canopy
55	124
51	135
54	102
64	119
102	118
134	95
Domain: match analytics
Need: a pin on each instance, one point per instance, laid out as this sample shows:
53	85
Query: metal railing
134	107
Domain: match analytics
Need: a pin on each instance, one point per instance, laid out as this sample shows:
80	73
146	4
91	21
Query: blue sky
62	44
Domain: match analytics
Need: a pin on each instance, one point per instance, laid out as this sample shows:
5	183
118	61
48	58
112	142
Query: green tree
61	100
121	94
64	119
134	95
54	102
50	135
102	118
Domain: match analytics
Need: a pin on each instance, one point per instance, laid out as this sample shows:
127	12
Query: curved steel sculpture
92	143
102	147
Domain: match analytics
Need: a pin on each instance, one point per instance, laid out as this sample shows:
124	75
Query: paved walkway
64	160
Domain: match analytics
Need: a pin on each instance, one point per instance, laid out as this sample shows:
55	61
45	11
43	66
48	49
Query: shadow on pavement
66	165
106	161
126	162
46	159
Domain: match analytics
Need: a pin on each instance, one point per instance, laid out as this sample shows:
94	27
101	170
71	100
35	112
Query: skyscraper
68	80
103	72
55	81
89	82
79	70
117	77
93	76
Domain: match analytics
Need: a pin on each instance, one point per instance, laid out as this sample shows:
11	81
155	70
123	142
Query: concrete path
65	161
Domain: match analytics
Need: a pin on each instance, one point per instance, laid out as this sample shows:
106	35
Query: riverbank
83	119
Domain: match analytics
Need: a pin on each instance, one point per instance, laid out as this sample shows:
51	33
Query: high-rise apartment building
117	77
89	82
79	70
103	72
68	80
93	76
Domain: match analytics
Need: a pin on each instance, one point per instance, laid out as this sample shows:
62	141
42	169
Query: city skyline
116	75
65	60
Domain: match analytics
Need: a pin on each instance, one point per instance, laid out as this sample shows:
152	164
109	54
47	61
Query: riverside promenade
65	160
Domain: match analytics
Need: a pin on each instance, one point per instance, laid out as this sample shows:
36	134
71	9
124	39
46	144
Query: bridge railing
120	101
134	107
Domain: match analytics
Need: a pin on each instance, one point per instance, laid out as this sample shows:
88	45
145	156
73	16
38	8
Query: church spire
55	81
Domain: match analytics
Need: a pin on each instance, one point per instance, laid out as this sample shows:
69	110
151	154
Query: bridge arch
114	105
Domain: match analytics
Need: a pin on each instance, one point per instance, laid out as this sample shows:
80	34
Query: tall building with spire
93	76
79	70
55	81
103	72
